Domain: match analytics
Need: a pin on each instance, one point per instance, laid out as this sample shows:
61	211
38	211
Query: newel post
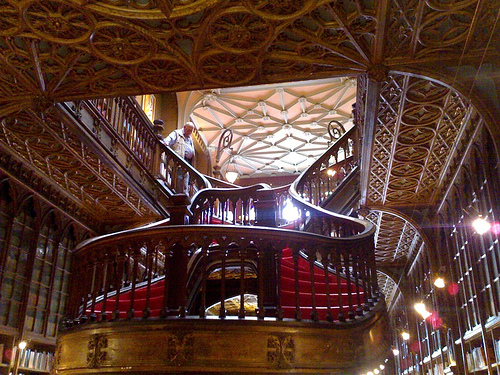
265	209
178	209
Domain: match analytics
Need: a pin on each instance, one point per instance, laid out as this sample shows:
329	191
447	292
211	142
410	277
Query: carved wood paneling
61	49
422	128
76	172
397	241
204	346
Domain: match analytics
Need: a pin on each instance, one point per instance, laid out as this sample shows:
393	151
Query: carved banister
123	130
191	254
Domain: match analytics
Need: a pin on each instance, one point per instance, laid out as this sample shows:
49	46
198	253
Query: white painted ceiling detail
277	129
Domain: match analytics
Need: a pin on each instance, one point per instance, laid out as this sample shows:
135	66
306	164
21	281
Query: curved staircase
318	308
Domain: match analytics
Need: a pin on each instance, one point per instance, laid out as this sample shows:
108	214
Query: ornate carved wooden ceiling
57	50
53	50
75	177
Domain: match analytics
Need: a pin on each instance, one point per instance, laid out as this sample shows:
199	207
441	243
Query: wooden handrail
104	266
128	123
125	121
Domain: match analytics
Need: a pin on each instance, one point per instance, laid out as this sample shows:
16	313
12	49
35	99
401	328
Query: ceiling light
395	352
481	226
231	176
439	283
405	335
382	367
231	172
22	345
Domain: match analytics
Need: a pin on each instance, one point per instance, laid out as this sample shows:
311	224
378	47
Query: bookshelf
34	278
468	340
36	358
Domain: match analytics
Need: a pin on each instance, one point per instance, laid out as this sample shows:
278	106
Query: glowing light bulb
395	352
331	172
231	176
422	310
481	226
22	345
405	335
439	283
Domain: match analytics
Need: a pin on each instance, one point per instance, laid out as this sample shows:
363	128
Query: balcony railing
122	128
322	270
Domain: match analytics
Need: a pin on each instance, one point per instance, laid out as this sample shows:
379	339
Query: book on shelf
36	359
475	359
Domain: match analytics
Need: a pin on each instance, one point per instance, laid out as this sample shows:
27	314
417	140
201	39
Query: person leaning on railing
181	142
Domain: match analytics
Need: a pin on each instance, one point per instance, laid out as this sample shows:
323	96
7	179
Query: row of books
475	359
496	347
35	359
438	369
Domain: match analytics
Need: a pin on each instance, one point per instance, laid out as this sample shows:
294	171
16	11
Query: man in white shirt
181	142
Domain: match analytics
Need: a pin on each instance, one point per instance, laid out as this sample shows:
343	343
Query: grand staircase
142	300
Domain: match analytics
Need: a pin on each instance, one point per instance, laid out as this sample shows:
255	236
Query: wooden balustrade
125	122
115	275
180	177
239	205
318	182
125	117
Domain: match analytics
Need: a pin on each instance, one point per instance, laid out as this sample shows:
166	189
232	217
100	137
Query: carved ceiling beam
415	35
473	24
382	12
166	7
37	67
363	51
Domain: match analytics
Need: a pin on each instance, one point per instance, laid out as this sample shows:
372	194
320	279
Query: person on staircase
181	142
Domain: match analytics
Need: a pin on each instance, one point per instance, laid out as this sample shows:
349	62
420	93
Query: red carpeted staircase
288	294
304	287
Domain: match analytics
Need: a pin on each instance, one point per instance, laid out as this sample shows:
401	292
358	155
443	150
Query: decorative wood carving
62	50
74	170
227	347
180	348
97	354
280	351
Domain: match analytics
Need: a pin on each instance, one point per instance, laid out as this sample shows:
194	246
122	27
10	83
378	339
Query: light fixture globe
231	176
481	226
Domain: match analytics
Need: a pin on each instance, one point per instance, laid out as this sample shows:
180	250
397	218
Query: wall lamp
422	310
